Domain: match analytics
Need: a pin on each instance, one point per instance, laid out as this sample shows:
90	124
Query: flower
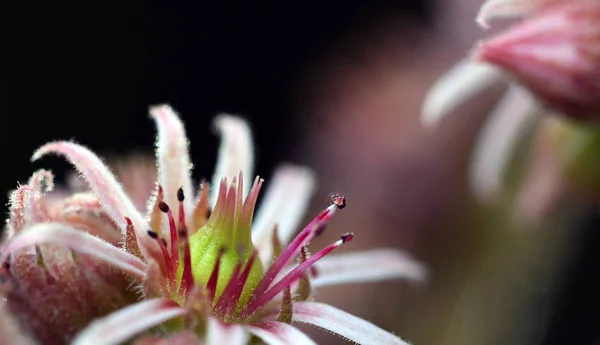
206	268
554	56
555	53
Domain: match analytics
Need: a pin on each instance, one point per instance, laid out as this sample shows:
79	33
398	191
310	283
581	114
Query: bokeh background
335	85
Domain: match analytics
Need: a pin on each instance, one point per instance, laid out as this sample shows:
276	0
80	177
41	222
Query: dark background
89	72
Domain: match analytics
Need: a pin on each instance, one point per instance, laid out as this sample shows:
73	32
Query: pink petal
463	82
235	154
79	241
125	323
279	333
110	193
505	8
172	156
342	323
231	334
503	130
367	266
284	204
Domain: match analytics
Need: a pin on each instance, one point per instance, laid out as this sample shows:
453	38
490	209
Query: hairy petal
367	266
279	333
110	193
235	153
459	85
509	121
344	324
231	334
125	323
284	205
172	156
79	241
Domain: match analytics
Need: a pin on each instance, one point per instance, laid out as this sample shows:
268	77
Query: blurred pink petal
510	120
236	152
367	266
279	333
82	242
284	205
342	323
172	156
125	323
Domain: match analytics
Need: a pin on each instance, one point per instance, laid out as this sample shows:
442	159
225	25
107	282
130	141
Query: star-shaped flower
209	272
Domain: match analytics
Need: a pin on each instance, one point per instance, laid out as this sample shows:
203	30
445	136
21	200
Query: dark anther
152	234
182	233
180	196
339	200
163	207
347	237
164	241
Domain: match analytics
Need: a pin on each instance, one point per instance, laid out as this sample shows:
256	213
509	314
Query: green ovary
581	156
205	246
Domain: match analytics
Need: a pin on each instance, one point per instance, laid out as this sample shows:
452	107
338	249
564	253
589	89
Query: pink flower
209	271
555	53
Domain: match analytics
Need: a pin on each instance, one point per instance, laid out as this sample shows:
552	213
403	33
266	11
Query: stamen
294	275
339	200
187	278
222	305
163	248
211	286
235	295
292	250
173	230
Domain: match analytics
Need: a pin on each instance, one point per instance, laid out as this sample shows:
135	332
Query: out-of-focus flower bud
52	291
556	53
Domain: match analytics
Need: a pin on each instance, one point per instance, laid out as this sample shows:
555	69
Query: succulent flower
208	271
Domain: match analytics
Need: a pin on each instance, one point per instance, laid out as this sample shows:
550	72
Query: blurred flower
53	291
555	53
204	274
555	56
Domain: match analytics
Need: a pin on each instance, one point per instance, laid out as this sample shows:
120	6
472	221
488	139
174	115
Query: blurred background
334	85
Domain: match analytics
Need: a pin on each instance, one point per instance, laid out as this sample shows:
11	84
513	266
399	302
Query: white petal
285	204
125	323
342	323
504	9
235	153
496	141
367	266
278	333
106	187
460	84
79	241
231	334
172	157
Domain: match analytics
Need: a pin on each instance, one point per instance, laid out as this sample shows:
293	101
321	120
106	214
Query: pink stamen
173	231
168	262
239	288
211	286
187	278
293	276
222	305
314	228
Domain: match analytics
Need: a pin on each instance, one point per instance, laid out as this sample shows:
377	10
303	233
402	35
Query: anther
163	207
347	237
339	200
180	195
152	234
